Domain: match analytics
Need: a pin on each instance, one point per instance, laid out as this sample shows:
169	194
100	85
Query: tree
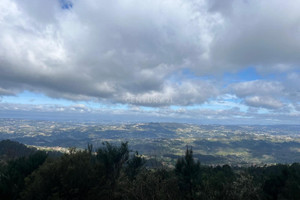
134	166
188	173
13	174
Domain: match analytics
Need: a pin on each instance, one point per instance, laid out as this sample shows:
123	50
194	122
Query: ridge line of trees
115	172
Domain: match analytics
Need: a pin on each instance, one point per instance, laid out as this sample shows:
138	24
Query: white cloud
256	33
98	50
257	87
128	51
264	102
260	93
184	93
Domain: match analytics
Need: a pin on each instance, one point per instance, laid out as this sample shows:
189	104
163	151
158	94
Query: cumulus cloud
184	93
265	102
257	87
5	92
97	50
256	33
128	51
260	93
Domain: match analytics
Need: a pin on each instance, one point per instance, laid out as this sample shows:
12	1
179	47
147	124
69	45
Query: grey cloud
76	108
256	33
257	87
127	51
44	11
279	95
6	92
261	94
183	94
224	7
292	85
263	101
98	50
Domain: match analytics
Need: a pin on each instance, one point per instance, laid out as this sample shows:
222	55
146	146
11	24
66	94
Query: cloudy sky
198	61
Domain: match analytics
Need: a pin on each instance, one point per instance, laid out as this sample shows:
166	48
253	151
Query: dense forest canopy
115	172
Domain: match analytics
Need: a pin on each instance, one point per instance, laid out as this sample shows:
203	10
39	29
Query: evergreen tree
188	173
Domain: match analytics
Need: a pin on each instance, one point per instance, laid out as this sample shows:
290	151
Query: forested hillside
10	150
115	172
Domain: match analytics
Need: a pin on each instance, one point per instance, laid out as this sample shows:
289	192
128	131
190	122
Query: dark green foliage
110	162
13	173
217	182
80	175
11	150
158	184
134	166
113	158
188	173
283	182
69	177
113	172
244	188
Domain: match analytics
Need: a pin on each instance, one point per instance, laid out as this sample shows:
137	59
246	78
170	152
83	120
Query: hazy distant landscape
212	144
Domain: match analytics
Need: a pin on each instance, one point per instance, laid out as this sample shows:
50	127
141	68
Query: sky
191	61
